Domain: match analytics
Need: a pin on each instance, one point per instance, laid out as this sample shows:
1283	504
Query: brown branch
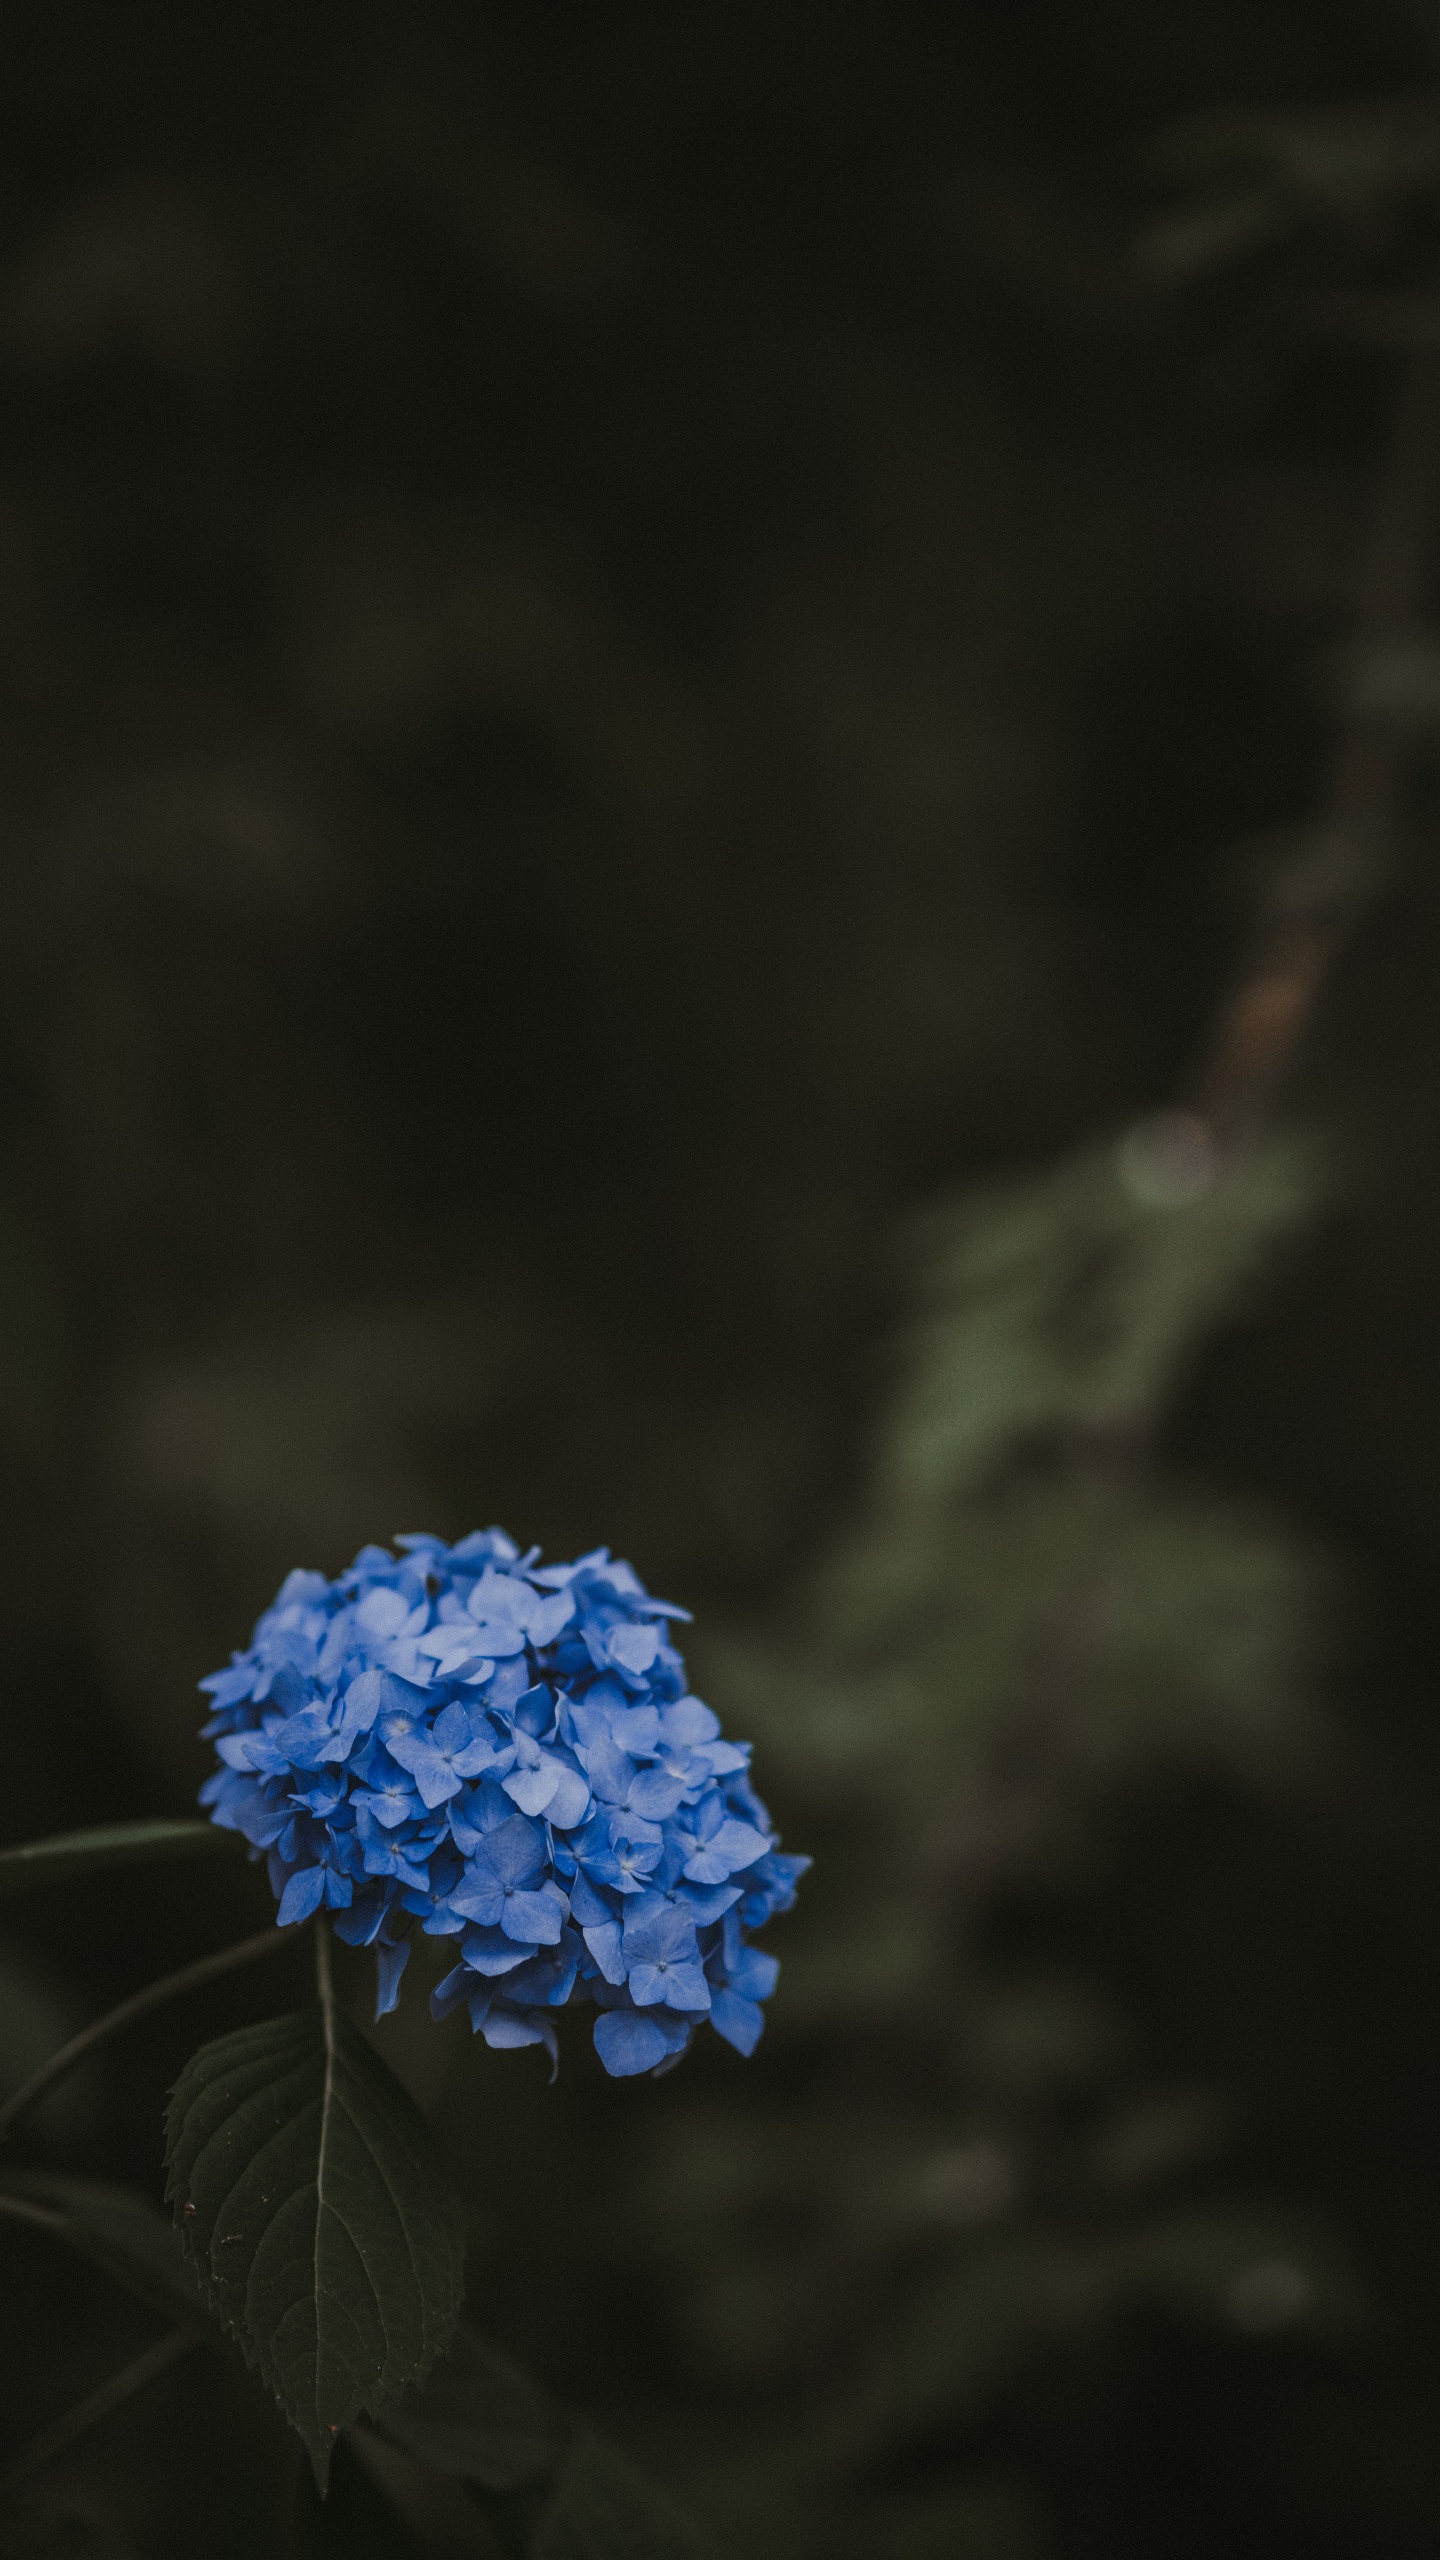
1312	910
1318	899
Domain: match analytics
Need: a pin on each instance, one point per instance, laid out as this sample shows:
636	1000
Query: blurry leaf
930	1619
865	1964
997	1561
1049	2033
1069	1305
35	1352
1272	175
482	2419
746	2311
121	1844
479	2418
602	2509
966	2183
435	2508
1215	1616
310	2197
1213	233
958	2522
948	2349
118	2230
142	267
38	2017
1263	2272
1401	682
1053	1314
1161	2137
1020	1611
47	2531
956	2342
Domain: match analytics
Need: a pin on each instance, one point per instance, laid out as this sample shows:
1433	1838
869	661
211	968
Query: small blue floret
504	1753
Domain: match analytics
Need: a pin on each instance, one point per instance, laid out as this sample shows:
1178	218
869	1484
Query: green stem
39	2217
87	2413
323	1984
189	1978
33	1863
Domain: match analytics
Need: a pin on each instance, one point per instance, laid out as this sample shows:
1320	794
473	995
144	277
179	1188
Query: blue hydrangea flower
462	1740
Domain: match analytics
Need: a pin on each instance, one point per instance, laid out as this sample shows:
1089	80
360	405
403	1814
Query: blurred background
656	668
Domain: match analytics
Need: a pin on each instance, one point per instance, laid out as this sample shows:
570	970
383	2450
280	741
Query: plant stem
324	1986
1316	902
38	2217
1312	910
189	1978
88	2412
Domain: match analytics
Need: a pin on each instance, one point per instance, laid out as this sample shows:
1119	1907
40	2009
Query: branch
140	2003
1317	901
1313	908
87	2413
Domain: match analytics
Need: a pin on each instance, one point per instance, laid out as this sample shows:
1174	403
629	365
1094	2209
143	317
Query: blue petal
753	1973
537	1917
740	2022
628	2044
603	1940
586	1905
447	1995
353	1689
505	2027
490	1952
303	1894
390	1963
633	1648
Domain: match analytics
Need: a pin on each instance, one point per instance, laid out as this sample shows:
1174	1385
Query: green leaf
38	2016
602	2509
114	1844
117	2229
309	2194
480	2418
437	2511
1071	1303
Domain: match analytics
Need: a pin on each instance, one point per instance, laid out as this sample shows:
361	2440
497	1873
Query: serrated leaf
601	2508
118	2230
113	1844
325	2236
480	2417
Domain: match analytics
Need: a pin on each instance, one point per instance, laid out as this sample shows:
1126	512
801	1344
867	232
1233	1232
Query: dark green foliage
485	2463
481	2418
425	2507
319	2222
601	2509
71	1854
1031	1616
652	665
122	2232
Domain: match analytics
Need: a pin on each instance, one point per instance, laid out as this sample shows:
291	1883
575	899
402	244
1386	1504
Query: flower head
461	1740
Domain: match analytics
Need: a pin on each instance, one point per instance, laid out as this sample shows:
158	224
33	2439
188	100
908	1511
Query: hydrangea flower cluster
506	1754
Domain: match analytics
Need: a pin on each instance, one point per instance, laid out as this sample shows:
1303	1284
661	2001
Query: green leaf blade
601	2508
118	2230
322	2230
116	1844
481	2418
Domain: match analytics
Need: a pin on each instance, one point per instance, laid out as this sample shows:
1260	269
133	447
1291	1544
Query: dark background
634	641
